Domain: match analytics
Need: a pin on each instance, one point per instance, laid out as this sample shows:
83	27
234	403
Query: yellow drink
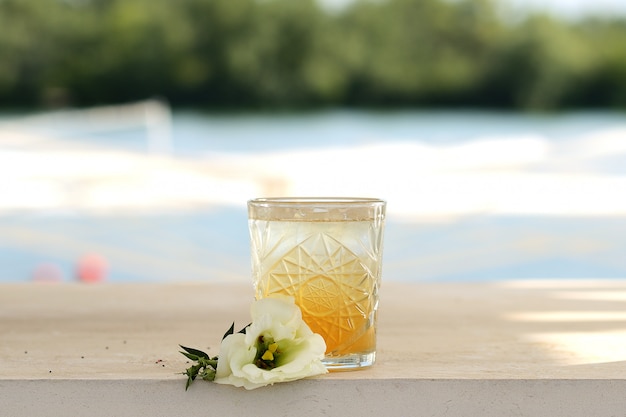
332	269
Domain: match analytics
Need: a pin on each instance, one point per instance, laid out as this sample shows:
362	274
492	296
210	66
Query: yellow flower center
267	352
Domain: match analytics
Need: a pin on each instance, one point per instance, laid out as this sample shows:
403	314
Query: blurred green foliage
259	53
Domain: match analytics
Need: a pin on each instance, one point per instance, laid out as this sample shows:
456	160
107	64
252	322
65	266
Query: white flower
277	347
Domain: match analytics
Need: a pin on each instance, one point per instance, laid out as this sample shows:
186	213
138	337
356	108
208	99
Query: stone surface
525	348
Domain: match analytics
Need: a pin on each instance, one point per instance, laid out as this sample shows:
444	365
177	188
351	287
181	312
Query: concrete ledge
400	397
515	348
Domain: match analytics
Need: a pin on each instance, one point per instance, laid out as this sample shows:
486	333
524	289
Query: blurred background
132	133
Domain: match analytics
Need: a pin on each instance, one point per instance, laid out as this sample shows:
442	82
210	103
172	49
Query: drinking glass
327	254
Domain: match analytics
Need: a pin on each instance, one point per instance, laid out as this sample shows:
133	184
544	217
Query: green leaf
229	331
205	366
208	374
190	356
198	353
243	331
190	378
191	373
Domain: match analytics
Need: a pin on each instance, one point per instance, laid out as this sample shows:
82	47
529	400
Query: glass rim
313	201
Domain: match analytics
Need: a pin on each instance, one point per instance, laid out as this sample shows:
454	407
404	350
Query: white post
158	120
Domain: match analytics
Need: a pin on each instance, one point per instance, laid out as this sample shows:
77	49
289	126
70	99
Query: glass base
349	362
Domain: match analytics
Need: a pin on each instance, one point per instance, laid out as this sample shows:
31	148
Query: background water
437	171
196	133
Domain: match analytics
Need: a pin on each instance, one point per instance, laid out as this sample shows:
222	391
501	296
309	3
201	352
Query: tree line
294	53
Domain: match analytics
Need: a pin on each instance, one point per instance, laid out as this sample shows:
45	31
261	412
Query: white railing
154	116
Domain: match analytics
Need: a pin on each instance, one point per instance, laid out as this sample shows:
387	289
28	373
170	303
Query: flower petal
299	351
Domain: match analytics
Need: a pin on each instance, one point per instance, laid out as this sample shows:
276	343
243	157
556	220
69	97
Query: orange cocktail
326	253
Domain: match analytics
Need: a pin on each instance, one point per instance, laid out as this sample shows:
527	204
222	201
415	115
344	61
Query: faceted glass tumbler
327	254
